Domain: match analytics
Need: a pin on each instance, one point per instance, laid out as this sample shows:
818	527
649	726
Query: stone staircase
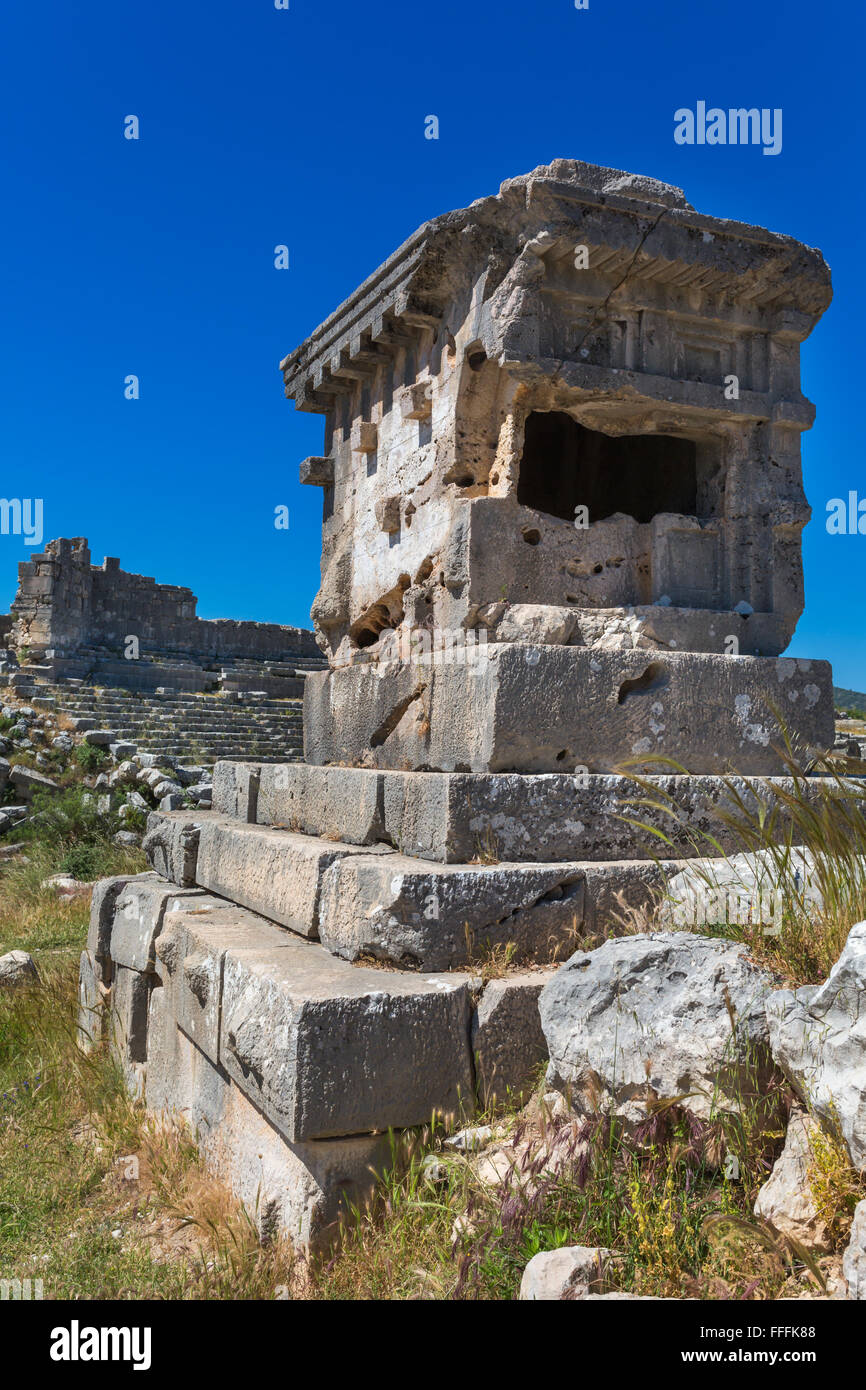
191	727
155	670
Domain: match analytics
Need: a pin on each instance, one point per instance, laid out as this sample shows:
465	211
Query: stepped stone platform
198	728
132	656
308	965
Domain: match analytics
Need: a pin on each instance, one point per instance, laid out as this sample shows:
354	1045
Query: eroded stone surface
274	872
854	1260
437	916
653	1014
477	378
533	709
103	906
508	1042
327	1049
171	845
138	916
569	1272
455	817
17	968
298	1190
818	1036
785	1201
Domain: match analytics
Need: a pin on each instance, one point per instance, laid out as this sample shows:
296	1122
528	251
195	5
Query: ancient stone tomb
561	534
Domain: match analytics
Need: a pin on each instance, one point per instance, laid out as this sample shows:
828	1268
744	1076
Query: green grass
90	758
64	1119
68	1130
66	836
680	1225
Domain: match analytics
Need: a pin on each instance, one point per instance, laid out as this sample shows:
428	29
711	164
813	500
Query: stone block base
522	708
419	914
300	1190
455	818
290	1065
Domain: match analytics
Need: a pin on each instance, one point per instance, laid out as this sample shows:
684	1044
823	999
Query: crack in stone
388	725
599	313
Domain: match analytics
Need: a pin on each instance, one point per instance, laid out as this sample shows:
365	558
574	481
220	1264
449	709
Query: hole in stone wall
531	535
477	360
655	677
565	465
387	612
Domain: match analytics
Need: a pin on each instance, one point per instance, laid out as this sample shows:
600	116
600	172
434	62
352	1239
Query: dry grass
96	1198
825	816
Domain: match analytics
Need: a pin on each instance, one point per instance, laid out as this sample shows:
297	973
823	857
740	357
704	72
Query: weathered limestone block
298	1190
236	789
539	463
17	968
93	993
656	627
654	1013
171	845
438	916
29	783
138	918
785	1201
317	471
533	708
103	905
364	437
750	888
328	1049
854	1259
190	952
535	623
508	1043
304	1190
274	872
572	1271
618	888
337	802
387	513
130	998
455	817
818	1036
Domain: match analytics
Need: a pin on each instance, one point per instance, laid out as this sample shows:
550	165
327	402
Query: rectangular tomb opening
565	465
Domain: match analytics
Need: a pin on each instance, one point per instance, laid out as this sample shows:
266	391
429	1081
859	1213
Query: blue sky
306	127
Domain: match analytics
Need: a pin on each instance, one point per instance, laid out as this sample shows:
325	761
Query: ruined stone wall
65	604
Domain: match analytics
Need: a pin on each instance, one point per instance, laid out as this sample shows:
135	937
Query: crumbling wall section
65	604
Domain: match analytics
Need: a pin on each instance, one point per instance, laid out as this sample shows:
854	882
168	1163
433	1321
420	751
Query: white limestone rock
569	1272
854	1259
652	1011
818	1038
785	1201
17	968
